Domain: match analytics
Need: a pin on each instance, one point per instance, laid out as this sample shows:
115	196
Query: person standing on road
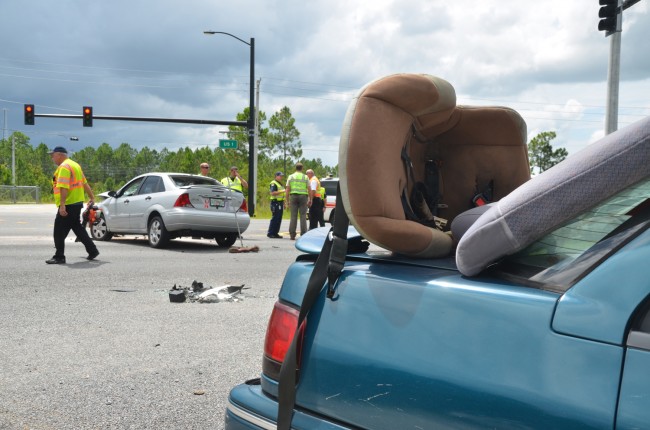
235	181
316	206
323	197
297	198
68	185
277	206
205	169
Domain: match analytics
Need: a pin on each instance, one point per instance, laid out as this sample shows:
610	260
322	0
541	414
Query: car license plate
217	203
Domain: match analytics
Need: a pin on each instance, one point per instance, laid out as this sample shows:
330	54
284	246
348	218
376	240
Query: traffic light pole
613	79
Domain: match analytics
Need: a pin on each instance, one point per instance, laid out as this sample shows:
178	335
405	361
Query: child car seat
406	129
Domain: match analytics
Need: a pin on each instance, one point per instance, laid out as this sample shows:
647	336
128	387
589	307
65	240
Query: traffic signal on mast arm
29	114
610	16
88	115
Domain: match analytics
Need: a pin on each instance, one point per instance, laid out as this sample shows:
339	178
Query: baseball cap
59	149
279	174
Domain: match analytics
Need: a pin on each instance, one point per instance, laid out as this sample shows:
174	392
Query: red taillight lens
183	201
279	335
244	206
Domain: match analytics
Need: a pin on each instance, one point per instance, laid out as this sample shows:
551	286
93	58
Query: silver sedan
165	206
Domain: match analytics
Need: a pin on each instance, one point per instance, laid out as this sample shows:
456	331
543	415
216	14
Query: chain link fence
19	194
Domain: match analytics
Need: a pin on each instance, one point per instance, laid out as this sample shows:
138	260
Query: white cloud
150	58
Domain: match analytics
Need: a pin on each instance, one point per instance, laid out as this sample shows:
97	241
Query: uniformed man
68	185
277	206
297	200
315	201
235	181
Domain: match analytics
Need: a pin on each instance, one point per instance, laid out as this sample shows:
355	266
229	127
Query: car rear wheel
158	235
226	239
99	230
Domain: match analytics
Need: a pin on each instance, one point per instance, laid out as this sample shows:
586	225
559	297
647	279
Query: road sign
227	143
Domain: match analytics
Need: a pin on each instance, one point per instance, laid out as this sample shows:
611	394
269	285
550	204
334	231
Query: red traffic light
87	116
29	114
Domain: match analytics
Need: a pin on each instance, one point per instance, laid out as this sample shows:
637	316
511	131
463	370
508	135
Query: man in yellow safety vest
68	185
235	181
297	200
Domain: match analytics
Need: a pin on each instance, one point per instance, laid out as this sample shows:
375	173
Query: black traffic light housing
609	15
29	114
88	115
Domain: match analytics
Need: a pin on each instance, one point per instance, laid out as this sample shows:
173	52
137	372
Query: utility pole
613	81
611	14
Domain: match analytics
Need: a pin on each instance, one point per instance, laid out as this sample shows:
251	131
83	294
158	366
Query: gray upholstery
556	196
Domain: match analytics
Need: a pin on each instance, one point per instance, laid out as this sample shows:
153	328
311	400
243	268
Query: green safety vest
235	184
69	175
279	197
298	182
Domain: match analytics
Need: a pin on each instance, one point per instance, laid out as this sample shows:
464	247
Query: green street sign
227	143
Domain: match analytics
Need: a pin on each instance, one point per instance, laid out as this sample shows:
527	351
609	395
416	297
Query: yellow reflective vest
235	184
69	175
279	187
298	182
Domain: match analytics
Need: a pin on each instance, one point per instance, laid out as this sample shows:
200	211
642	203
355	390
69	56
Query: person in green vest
68	185
277	191
297	200
235	181
323	196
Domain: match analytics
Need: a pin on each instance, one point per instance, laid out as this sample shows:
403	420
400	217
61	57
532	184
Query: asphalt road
98	345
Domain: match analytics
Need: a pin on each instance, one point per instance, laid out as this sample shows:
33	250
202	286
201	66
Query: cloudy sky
149	58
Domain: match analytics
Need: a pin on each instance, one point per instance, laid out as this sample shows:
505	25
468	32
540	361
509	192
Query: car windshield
185	180
565	255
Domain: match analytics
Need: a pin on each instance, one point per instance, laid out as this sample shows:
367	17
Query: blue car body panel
414	344
590	309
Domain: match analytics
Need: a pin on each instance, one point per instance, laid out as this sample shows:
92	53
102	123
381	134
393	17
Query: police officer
297	198
68	185
277	206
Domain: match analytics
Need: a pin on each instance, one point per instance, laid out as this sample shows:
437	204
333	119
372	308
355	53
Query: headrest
468	143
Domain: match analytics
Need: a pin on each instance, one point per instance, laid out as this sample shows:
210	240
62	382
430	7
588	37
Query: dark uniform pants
315	212
277	208
63	225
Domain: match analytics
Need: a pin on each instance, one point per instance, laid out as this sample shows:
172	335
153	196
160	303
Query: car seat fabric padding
557	195
473	144
377	125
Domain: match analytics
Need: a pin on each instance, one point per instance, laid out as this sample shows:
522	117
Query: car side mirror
112	193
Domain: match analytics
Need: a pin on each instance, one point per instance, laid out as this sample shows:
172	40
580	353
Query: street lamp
252	180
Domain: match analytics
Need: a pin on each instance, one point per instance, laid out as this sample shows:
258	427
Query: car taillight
183	201
279	335
244	206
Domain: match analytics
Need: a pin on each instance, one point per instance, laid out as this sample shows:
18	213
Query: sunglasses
205	167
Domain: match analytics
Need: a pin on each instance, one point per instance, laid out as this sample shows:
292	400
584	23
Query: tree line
109	168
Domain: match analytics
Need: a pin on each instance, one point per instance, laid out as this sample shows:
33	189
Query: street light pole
252	174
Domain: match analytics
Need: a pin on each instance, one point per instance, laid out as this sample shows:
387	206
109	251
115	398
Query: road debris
197	292
239	249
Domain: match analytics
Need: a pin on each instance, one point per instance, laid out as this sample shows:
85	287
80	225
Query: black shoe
93	255
56	260
277	236
274	236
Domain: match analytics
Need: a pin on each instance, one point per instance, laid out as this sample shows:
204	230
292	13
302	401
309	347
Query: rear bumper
205	221
248	408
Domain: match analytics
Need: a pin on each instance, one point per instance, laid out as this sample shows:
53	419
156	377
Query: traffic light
88	115
609	15
29	114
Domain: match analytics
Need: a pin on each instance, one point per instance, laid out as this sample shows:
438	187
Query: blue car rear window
565	255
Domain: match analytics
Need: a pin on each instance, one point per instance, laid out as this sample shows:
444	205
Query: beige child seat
411	119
